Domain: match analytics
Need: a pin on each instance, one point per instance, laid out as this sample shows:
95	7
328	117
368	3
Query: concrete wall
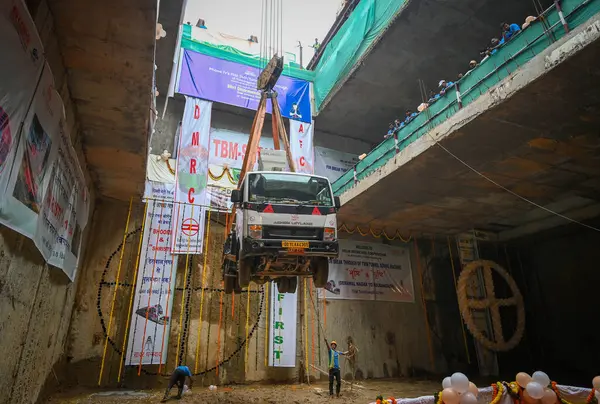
36	300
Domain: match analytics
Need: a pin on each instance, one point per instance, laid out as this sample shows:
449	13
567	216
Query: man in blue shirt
508	30
334	367
178	378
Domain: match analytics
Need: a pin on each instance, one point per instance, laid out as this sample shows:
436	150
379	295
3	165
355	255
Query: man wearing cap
334	367
444	85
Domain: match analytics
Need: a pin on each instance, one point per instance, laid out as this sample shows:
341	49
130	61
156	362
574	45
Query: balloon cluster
457	389
538	387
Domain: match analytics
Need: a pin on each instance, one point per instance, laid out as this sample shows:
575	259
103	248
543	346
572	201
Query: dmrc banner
370	271
191	176
301	145
22	53
232	83
282	328
153	300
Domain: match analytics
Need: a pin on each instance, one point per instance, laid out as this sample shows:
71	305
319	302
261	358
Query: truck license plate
294	244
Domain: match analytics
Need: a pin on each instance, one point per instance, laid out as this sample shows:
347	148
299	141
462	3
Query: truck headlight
255	231
329	234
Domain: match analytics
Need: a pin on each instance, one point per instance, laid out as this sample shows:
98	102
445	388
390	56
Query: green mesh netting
367	22
232	54
520	50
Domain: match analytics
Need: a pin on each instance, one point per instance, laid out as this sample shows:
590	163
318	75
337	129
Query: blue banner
231	83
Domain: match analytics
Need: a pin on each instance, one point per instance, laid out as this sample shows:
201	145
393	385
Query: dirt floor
275	394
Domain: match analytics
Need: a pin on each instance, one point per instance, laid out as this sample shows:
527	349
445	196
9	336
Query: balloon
528	399
460	382
473	389
449	396
597	394
541	378
468	398
596	382
446	383
549	397
522	379
535	390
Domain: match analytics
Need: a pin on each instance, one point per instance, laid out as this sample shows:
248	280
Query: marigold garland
498	391
591	398
389	400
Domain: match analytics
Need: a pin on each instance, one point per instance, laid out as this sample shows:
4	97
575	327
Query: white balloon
535	390
460	382
597	394
541	378
468	398
446	383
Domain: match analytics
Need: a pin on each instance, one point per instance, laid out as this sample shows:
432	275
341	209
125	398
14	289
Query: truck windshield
289	189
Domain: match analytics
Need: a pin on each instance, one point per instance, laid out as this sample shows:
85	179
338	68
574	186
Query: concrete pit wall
392	337
36	300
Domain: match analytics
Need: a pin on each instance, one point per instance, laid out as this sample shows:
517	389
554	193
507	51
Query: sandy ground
272	394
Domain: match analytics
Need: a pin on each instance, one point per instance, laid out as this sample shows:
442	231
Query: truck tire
244	273
320	269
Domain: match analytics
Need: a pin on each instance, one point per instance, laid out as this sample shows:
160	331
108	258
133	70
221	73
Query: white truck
285	228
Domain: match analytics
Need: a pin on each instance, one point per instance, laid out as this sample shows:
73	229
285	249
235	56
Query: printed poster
22	46
153	300
301	145
191	177
370	271
332	163
282	328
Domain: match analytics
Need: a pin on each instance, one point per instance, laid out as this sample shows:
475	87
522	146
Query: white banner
22	53
153	300
159	190
332	163
191	176
282	328
370	271
301	145
64	211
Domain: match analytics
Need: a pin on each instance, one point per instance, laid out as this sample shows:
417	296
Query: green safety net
512	56
364	26
291	69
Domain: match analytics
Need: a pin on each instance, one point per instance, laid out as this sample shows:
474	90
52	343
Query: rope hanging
374	233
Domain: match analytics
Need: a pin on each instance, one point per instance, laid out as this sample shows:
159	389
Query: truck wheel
320	269
243	274
292	284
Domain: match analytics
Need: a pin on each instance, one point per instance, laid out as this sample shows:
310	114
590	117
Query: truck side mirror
336	201
236	196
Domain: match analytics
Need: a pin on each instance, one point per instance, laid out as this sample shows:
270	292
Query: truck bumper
257	247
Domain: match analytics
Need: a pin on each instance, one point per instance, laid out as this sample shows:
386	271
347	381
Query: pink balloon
528	399
449	396
523	379
596	382
549	397
473	389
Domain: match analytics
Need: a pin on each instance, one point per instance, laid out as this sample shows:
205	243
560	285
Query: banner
22	53
282	328
332	163
148	340
370	271
232	83
64	210
191	177
159	190
301	145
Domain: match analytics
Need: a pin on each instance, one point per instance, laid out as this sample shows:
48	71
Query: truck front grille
292	233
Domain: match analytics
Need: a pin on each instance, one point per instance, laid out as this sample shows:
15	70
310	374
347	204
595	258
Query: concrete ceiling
542	143
108	51
430	40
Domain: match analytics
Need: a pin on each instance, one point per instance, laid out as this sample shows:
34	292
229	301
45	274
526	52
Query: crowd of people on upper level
508	31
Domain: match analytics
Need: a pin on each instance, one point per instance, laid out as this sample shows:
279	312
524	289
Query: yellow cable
112	305
185	273
397	235
202	294
137	262
462	326
267	330
247	325
306	328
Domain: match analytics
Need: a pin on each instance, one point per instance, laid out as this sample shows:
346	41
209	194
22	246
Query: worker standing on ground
334	367
178	378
